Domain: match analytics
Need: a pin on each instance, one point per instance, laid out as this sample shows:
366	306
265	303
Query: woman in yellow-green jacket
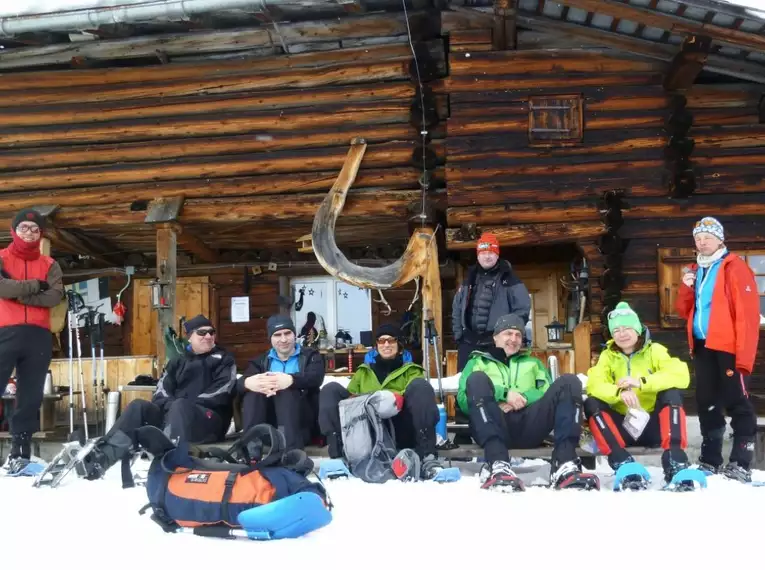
634	373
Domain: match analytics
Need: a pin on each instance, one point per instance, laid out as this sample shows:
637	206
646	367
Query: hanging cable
425	177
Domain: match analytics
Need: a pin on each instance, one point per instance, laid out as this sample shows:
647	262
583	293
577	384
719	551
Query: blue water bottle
441	425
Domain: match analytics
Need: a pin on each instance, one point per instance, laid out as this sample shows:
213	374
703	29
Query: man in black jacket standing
281	387
490	291
193	401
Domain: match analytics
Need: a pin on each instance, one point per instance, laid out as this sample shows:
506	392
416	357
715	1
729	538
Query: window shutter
672	260
555	120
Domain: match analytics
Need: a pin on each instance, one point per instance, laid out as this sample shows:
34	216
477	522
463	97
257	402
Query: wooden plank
524	213
271	123
505	36
529	234
167	251
391	154
164	210
582	348
376	25
394	178
48	115
77	78
669	22
688	63
463	83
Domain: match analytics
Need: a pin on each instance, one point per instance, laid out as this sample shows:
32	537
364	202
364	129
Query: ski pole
91	325
82	383
71	365
104	385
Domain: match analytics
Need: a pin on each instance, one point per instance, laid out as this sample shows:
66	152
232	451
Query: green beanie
624	316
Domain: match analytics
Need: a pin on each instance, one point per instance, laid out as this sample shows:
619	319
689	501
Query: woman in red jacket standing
30	284
719	299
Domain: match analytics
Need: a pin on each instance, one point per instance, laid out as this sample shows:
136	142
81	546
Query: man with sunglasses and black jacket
193	402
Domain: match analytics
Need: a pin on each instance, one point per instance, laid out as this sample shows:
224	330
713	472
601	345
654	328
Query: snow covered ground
96	525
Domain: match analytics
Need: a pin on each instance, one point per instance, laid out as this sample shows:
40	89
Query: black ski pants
414	426
28	349
720	389
289	410
666	428
496	431
183	420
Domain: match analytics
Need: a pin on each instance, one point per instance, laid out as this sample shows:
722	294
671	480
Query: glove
399	400
44	286
4	274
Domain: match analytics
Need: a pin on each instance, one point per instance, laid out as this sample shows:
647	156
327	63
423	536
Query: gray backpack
369	441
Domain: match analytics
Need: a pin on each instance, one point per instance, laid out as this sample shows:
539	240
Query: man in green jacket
389	367
634	373
510	401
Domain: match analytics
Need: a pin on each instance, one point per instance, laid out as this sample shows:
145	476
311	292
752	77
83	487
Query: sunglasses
705	223
205	332
619	313
386	340
24	229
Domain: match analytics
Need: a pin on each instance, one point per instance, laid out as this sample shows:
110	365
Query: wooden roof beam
64	240
688	63
669	22
164	213
526	234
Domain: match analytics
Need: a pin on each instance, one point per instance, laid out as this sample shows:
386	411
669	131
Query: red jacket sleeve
685	299
745	309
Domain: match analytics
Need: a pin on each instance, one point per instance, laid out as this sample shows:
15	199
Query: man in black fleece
193	401
281	387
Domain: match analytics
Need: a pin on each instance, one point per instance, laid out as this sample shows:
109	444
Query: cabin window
756	261
555	120
335	304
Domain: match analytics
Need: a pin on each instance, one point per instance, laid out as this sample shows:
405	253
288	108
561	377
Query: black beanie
388	329
197	323
279	322
28	215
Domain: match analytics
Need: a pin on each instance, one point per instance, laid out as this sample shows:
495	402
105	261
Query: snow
96	525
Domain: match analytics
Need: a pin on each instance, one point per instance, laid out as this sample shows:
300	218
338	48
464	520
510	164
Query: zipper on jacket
707	273
26	276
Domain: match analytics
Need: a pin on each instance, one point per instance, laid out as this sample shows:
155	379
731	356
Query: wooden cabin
589	135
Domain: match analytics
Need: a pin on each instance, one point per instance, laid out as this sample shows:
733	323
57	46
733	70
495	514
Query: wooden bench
37	438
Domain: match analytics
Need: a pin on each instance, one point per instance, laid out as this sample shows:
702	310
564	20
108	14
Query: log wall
612	193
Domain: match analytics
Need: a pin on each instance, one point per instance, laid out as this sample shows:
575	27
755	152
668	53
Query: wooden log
266	141
529	234
464	83
388	204
470	41
688	63
330	116
524	213
551	169
192	244
394	178
388	154
669	22
328	75
46	115
715	205
101	77
549	61
505	35
377	25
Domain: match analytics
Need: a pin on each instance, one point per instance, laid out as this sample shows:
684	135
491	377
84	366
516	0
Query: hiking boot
673	463
431	467
736	472
407	465
500	477
103	453
21	445
569	475
708	468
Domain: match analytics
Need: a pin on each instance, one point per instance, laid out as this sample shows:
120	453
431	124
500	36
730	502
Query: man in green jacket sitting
510	402
635	373
389	367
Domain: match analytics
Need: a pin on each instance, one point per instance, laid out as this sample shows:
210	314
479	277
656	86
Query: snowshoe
735	472
407	465
686	479
433	470
631	476
708	468
333	469
500	477
23	467
570	476
63	463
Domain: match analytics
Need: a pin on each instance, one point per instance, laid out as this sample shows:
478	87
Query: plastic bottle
441	425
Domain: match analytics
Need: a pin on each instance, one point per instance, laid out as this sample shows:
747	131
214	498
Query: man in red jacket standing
719	299
30	284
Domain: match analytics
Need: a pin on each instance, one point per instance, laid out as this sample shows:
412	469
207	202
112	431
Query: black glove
4	274
44	286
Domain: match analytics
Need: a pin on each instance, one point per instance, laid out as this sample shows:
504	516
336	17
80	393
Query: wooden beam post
166	211
432	304
688	63
167	250
504	34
